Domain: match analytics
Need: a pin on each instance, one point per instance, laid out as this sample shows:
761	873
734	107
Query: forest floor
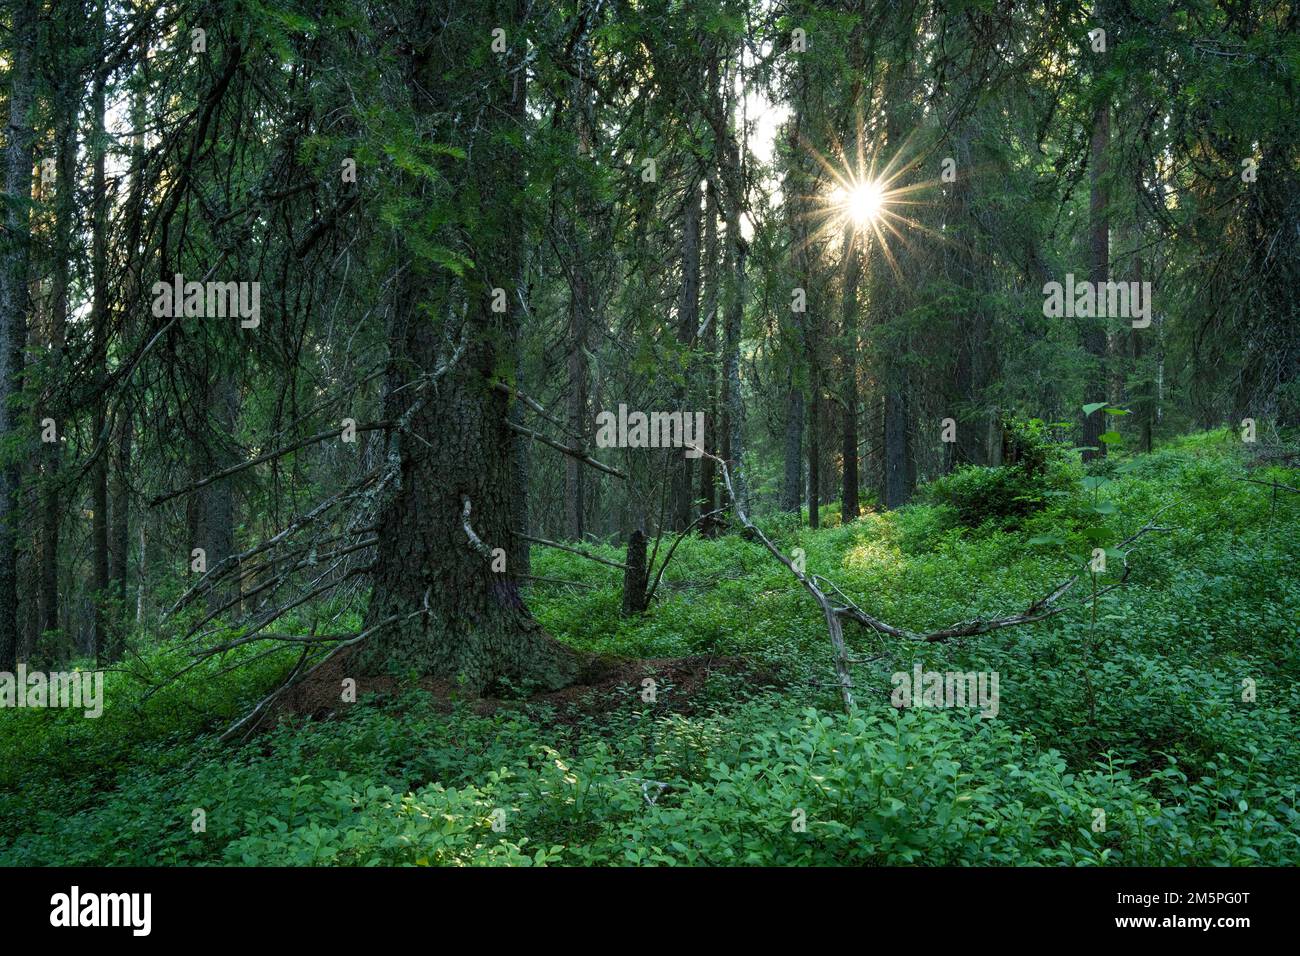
1159	731
318	698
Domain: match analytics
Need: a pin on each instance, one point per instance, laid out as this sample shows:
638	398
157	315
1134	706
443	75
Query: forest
620	433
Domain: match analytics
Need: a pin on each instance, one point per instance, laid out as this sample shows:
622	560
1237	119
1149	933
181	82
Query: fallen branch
818	586
833	625
1270	484
297	676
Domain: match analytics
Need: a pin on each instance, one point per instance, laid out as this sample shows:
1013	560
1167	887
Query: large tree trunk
438	606
476	628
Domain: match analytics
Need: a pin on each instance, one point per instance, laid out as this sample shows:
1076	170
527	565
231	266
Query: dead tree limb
564	547
669	556
475	542
571	452
833	625
535	406
278	453
1270	484
817	586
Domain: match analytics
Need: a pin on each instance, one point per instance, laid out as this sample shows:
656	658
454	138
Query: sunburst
867	197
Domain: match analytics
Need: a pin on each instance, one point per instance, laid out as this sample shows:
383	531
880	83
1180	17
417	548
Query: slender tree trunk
1094	334
688	323
101	639
64	215
974	352
792	476
731	363
849	509
737	250
793	331
897	485
896	426
216	502
708	496
575	473
13	307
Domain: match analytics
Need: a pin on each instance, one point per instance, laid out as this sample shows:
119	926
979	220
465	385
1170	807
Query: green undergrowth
1183	752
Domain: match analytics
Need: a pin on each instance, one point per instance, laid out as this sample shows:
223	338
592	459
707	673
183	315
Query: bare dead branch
279	452
669	556
578	551
571	452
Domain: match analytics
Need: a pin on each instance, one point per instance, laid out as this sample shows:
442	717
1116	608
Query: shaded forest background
647	186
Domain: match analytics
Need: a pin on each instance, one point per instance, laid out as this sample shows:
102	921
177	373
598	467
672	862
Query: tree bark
452	616
1094	329
708	496
849	508
13	307
688	323
104	626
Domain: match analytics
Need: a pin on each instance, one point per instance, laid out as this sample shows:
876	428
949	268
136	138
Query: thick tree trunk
438	607
451	615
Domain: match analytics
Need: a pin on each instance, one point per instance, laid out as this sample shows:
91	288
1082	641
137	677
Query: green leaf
1092	407
1118	411
1110	438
